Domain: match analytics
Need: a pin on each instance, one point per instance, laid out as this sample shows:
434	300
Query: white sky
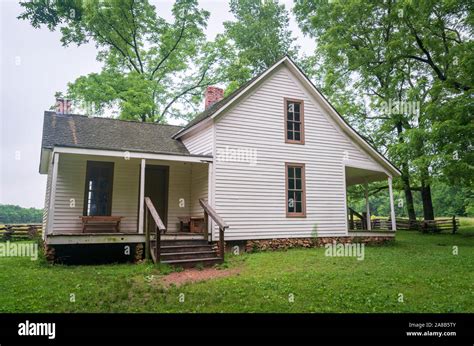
34	66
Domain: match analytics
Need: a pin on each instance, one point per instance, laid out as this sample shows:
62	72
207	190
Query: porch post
367	207
142	196
392	208
210	199
52	198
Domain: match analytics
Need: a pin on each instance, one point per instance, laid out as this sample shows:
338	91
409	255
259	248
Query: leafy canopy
151	68
258	37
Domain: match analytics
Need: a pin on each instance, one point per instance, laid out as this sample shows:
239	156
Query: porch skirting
103	253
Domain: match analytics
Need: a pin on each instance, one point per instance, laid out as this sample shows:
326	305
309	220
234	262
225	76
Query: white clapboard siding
199	188
251	197
200	141
69	201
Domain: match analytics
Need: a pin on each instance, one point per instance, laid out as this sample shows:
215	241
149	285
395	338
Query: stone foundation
291	243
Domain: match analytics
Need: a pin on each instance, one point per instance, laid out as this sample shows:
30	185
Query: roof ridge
53	113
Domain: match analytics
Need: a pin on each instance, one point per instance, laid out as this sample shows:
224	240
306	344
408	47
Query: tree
15	214
258	37
151	68
404	53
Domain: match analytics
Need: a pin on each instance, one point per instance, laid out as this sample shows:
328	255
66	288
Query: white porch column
210	196
367	207
141	209
52	197
392	208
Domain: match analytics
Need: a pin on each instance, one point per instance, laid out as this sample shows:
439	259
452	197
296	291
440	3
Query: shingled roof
79	131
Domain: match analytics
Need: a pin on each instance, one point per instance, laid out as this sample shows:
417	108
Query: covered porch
98	196
360	222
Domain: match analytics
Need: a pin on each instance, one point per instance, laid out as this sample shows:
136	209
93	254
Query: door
156	187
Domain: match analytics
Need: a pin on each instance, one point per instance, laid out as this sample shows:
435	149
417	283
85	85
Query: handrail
159	226
362	217
355	213
212	213
154	214
209	211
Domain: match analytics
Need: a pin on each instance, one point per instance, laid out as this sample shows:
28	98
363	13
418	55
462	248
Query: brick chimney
63	106
213	95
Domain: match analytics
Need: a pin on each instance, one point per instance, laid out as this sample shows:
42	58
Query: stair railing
159	227
210	212
362	217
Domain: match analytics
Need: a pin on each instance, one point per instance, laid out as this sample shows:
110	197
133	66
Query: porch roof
79	131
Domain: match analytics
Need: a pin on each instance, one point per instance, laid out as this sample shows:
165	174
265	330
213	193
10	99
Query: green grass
421	267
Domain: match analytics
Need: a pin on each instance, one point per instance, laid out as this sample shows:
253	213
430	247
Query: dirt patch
195	275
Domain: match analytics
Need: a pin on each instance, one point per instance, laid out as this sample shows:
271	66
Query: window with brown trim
294	121
98	189
295	190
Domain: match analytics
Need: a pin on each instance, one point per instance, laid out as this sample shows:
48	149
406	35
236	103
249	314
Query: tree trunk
406	180
428	211
408	196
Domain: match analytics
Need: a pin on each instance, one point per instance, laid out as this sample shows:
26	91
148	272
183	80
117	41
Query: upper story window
98	190
294	121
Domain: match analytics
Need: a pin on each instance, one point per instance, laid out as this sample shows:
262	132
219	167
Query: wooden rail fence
426	226
404	224
20	231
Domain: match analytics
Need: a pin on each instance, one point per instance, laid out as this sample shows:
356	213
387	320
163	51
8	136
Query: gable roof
221	106
80	131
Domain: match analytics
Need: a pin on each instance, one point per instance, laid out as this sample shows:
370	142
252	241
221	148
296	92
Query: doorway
156	187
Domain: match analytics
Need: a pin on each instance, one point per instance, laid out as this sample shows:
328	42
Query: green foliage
16	214
151	68
418	53
423	267
448	200
258	37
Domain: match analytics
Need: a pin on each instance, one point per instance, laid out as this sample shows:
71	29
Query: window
98	190
295	190
294	121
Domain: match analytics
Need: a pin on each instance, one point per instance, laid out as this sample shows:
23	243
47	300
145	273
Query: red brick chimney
213	95
63	106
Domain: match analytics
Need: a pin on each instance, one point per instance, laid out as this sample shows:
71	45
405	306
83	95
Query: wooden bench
191	224
101	221
184	223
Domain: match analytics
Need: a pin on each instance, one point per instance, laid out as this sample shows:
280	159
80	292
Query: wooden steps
187	253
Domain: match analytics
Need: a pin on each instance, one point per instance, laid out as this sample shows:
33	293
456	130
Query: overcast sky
34	66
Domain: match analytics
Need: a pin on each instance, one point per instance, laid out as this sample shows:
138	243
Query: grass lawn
420	267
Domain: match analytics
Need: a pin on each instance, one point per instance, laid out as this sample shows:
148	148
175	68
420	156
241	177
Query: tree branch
181	35
184	92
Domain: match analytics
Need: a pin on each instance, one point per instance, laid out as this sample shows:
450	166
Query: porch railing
354	224
210	212
150	210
